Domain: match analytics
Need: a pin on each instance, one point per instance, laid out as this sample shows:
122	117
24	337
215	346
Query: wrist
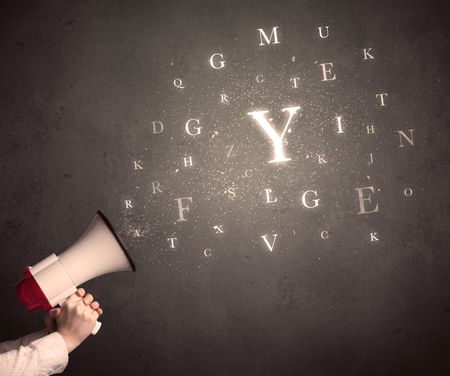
71	343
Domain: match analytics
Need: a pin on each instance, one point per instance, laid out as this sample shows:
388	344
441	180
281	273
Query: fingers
77	296
88	299
95	314
96	307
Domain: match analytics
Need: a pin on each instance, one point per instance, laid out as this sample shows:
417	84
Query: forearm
36	354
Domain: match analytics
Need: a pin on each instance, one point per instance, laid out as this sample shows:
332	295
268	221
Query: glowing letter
207	252
224	99
408	192
316	201
229	152
409	139
262	35
276	139
172	244
268	191
339	123
270	246
362	200
326	70
155	186
367	55
181	208
219	229
381	97
320	32
221	62
321	160
198	129
137	165
187	161
160	125
231	193
294	80
178	83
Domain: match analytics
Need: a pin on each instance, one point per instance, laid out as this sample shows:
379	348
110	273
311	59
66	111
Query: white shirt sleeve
36	354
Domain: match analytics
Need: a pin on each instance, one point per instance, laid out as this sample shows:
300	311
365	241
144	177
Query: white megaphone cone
98	251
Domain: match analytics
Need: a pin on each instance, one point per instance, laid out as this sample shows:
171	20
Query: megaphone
98	251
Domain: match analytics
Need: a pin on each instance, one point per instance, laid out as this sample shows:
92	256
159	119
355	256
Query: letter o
408	192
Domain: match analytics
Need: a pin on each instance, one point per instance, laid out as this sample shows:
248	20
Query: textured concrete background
81	83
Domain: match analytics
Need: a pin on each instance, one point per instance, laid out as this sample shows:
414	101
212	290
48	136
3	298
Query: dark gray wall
81	84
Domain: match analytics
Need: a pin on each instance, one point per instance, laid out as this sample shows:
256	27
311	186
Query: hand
50	316
76	318
50	319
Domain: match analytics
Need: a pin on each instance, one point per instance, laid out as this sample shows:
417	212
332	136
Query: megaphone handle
97	327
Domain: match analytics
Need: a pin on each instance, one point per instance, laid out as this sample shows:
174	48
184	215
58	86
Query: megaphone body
51	281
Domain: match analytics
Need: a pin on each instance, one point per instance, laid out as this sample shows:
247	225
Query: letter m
273	34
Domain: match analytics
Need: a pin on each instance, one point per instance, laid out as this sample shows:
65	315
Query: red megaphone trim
30	293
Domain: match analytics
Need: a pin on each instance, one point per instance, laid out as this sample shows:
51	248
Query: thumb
49	319
55	312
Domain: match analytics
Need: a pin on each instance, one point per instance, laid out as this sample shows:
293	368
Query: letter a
277	139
